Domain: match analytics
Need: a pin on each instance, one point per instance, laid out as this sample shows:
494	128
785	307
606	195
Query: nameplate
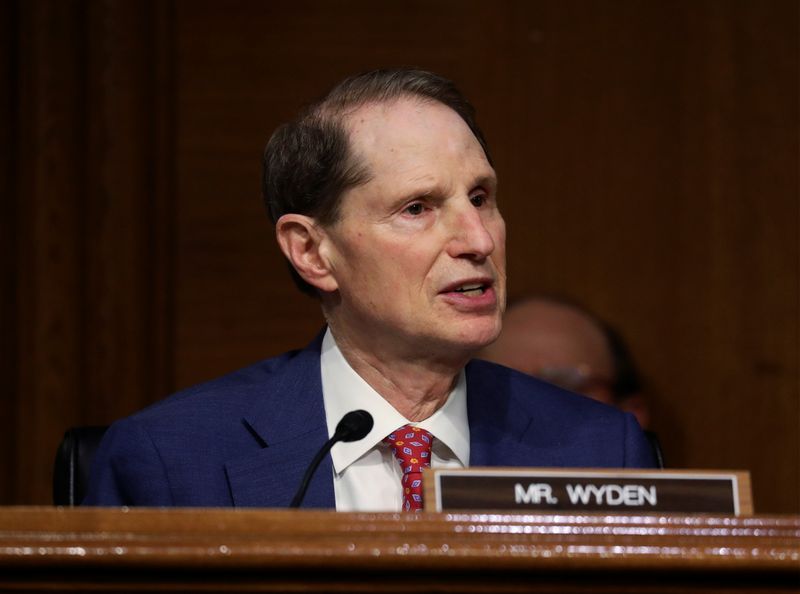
589	490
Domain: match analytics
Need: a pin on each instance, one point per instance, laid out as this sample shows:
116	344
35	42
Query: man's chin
473	337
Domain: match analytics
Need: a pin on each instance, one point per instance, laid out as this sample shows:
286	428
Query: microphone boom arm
354	425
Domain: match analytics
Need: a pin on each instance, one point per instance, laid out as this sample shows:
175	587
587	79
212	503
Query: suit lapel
289	422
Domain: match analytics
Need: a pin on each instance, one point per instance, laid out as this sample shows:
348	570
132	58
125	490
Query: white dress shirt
366	475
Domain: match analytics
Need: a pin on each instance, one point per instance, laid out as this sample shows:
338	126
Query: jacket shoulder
218	398
174	452
553	426
534	396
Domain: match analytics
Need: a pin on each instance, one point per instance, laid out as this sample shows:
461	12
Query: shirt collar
344	390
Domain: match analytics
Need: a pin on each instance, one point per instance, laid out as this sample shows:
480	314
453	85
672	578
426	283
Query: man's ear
300	239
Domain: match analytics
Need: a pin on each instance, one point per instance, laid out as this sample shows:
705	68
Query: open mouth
472	289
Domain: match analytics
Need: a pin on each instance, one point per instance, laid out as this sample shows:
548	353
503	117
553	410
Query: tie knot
412	448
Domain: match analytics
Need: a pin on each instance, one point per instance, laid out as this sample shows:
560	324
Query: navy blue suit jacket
246	439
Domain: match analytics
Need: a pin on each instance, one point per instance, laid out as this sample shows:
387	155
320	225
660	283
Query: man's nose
470	236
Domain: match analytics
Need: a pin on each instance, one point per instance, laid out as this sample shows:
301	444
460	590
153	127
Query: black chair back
73	462
656	445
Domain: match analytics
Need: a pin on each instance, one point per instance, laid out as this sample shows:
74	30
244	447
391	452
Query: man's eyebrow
488	180
418	186
421	193
427	188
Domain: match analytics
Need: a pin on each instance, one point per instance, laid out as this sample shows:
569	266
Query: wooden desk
213	550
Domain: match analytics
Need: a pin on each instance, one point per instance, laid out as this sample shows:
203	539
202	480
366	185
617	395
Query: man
563	343
385	205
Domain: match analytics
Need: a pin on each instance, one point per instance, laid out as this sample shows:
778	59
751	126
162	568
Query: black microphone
354	426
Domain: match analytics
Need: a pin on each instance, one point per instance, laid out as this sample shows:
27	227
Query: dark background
648	163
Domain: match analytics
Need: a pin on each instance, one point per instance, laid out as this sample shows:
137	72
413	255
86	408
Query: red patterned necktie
412	448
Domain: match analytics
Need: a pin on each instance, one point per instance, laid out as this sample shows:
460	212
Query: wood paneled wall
648	158
92	170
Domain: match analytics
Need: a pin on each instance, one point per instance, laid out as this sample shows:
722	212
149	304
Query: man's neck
415	386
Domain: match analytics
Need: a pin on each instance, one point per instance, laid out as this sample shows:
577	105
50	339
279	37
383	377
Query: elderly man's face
419	251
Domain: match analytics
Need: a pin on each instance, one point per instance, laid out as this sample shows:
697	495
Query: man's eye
415	209
478	200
